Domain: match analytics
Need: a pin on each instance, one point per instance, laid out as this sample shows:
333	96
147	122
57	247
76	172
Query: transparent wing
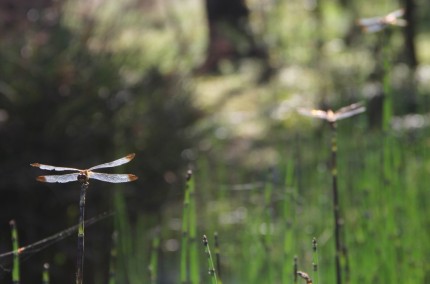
393	15
374	28
314	113
115	163
114	178
369	21
59	178
52	168
350	113
349	108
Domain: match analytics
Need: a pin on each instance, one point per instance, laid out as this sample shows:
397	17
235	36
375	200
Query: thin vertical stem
315	267
15	247
336	207
153	265
194	251
113	257
218	256
184	275
81	234
295	269
212	271
45	274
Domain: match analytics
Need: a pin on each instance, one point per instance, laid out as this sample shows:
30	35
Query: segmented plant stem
15	247
336	206
315	267
193	248
81	234
184	277
212	271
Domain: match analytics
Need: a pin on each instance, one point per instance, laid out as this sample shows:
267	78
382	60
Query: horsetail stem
212	271
15	247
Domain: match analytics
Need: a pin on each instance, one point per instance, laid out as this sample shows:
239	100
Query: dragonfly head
83	177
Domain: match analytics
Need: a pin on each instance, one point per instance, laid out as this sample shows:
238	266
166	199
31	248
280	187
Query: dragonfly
85	175
372	25
331	116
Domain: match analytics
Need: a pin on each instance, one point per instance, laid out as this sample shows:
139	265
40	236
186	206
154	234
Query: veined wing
314	113
349	108
394	15
52	168
115	163
114	178
370	21
59	178
349	111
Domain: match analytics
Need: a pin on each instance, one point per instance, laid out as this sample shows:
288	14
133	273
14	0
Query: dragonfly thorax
83	176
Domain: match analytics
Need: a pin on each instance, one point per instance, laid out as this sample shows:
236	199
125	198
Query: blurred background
207	85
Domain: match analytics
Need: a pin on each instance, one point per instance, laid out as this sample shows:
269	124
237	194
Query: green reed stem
288	217
295	269
15	247
336	206
184	277
81	234
268	191
211	266
218	256
113	257
45	274
315	267
153	262
193	248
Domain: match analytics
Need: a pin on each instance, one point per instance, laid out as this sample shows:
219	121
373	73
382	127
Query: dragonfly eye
82	178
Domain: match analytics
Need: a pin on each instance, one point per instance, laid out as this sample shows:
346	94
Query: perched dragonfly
331	116
372	25
85	175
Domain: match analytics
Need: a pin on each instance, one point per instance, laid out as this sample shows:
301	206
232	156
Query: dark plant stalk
336	206
217	256
45	274
15	247
315	260
184	276
81	233
295	269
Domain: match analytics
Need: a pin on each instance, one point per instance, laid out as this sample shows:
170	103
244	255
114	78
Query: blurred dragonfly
372	25
85	175
331	116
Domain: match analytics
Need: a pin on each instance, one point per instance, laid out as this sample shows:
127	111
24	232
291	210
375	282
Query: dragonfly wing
59	178
396	14
115	163
350	113
369	21
114	178
52	168
349	108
